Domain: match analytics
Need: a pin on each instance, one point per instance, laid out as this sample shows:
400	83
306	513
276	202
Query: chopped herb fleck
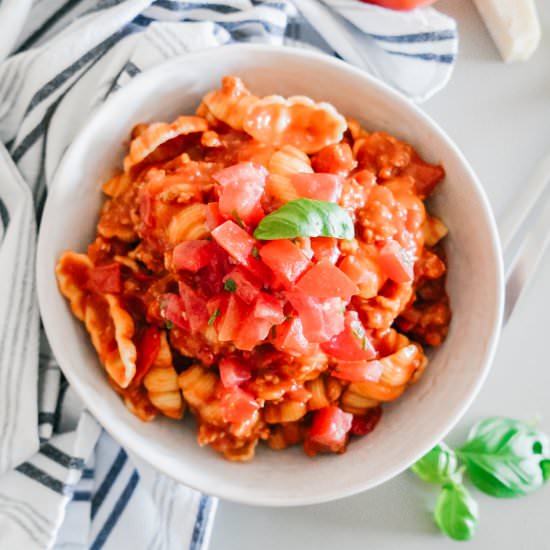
230	285
214	316
169	324
238	219
256	253
364	343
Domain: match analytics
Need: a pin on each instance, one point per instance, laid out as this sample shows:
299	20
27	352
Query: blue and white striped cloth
64	483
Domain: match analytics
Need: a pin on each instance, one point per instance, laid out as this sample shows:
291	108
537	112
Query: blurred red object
402	5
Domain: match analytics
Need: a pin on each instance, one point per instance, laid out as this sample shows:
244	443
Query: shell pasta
268	266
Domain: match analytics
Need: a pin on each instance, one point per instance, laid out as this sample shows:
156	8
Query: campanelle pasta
297	337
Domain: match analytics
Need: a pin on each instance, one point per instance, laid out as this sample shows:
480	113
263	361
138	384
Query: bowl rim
124	437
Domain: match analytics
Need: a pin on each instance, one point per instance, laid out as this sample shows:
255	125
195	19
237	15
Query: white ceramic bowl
410	426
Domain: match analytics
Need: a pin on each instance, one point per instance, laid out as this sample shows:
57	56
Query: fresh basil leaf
306	218
439	466
456	512
506	458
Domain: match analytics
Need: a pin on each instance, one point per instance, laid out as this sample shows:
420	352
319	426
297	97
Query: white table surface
499	115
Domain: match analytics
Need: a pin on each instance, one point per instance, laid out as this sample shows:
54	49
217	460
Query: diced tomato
210	278
330	427
232	319
105	279
336	158
364	272
396	262
325	248
358	371
237	405
322	187
195	308
192	255
363	425
252	332
321	319
239	244
242	187
289	337
147	352
325	280
173	309
426	176
216	306
247	287
233	372
285	259
213	216
353	343
269	308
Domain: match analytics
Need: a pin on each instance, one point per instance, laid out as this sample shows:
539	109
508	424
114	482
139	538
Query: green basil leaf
506	458
456	512
439	466
306	218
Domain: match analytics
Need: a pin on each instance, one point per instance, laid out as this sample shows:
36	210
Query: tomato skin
285	259
325	280
192	255
358	371
269	308
289	337
236	242
105	279
336	158
148	350
232	319
238	405
395	262
325	248
173	310
213	216
195	308
321	187
242	186
210	279
233	372
352	344
330	427
363	425
247	286
401	5
321	319
251	332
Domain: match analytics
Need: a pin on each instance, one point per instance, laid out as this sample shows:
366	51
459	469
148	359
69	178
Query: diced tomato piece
336	158
396	262
325	280
289	337
285	259
216	306
252	332
105	279
358	371
363	425
210	278
247	287
269	308
147	352
330	427
353	343
322	187
213	216
365	272
321	319
325	248
232	319
242	187
239	245
195	307
192	255
238	405
172	308
233	372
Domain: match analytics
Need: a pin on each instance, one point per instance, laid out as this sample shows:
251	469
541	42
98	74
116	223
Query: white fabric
64	482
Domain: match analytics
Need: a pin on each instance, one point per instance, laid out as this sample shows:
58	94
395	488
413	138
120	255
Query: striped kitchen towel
64	482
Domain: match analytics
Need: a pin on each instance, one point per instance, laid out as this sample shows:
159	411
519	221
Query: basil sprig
456	512
306	218
503	457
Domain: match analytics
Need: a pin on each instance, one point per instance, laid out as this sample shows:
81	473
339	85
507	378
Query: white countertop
499	115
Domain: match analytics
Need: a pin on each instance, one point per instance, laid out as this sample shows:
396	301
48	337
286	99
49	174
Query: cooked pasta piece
284	411
72	274
188	224
433	230
136	400
356	403
117	185
283	163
